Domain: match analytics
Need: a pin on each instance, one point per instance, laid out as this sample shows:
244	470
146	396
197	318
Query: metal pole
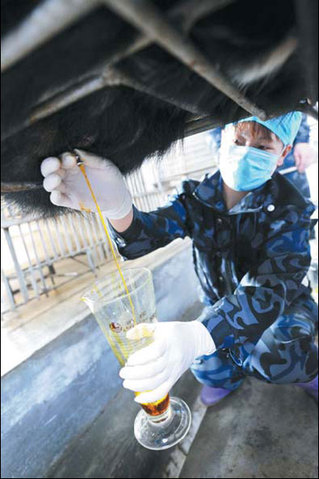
31	269
45	21
75	233
5	281
48	260
143	186
44	246
145	16
55	253
45	289
185	14
98	248
66	235
20	276
138	189
91	253
79	220
104	243
59	236
109	77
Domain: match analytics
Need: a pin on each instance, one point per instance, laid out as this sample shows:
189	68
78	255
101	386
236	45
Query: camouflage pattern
250	262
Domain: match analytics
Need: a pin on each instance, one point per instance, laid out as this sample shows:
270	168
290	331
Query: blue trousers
285	353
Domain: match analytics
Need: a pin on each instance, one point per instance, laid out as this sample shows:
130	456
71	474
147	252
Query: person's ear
284	153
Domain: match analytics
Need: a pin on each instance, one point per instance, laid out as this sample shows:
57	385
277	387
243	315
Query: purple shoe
210	396
311	388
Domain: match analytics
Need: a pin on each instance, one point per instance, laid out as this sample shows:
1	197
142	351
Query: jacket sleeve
149	231
264	292
303	135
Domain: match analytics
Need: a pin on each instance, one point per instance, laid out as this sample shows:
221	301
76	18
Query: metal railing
32	247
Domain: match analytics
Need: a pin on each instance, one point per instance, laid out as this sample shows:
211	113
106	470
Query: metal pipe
57	231
48	260
75	234
104	242
44	245
55	253
137	194
149	19
187	13
82	88
79	220
141	188
66	235
10	296
98	248
91	252
109	77
20	275
184	13
45	21
31	269
39	265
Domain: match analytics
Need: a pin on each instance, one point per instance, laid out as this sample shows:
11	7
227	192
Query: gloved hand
156	368
65	181
304	156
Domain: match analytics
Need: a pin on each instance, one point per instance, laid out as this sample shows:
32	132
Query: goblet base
162	435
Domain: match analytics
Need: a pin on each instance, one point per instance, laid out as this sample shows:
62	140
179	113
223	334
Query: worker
250	230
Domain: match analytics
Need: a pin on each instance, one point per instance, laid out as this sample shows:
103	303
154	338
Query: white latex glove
65	181
156	368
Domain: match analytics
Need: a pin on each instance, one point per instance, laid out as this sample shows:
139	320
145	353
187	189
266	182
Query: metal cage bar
147	18
109	77
20	275
31	269
46	20
184	14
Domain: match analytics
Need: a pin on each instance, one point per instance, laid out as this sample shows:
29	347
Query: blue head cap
285	126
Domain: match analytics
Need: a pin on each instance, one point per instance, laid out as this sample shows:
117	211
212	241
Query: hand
65	181
304	156
156	368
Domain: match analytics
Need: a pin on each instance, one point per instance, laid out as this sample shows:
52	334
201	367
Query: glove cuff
205	343
121	211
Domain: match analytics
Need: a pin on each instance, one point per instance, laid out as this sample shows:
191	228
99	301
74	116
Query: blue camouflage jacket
250	260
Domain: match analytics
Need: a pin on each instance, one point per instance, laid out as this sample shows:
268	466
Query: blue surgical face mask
244	168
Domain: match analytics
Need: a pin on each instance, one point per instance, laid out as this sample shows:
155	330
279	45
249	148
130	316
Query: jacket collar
210	193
